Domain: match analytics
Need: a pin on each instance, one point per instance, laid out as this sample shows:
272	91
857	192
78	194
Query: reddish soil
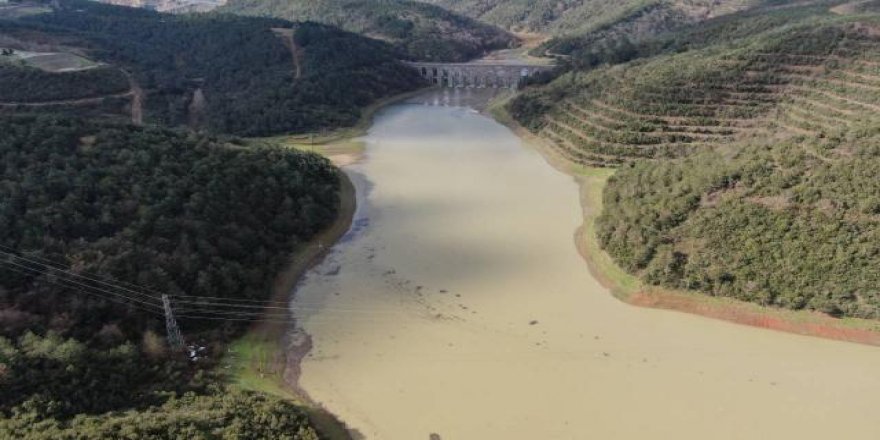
816	324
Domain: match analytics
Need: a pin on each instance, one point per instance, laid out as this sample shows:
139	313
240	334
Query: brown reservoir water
458	305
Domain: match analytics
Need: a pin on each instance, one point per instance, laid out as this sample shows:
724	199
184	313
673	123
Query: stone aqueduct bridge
494	74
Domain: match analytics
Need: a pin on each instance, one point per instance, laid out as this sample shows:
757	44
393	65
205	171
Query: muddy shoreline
292	344
637	294
297	344
466	281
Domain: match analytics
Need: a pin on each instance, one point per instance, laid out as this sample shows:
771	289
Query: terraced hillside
651	110
748	161
814	79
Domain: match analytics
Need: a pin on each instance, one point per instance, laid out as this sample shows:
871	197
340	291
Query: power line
193	307
61	284
42	271
209	308
206	316
60	268
216	304
119	284
208	313
183	298
235	319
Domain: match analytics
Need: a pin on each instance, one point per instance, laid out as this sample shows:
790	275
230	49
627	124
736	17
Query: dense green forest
183	214
419	31
30	84
773	224
245	72
198	217
747	147
57	388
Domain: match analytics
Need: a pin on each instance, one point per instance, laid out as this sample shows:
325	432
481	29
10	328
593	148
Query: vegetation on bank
747	150
773	224
181	214
224	73
417	30
57	388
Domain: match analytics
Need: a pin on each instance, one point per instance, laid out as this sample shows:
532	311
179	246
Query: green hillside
35	85
568	17
223	73
175	213
748	147
419	31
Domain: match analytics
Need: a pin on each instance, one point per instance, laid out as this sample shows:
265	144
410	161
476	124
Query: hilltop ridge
419	31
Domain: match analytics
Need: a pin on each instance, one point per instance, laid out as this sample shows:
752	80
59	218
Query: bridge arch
482	74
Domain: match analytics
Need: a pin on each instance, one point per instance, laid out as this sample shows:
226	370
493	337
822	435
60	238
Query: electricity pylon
175	339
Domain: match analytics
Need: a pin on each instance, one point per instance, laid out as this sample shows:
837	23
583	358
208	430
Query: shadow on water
477	99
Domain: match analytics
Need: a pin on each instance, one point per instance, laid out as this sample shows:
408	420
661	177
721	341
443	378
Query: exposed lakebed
459	305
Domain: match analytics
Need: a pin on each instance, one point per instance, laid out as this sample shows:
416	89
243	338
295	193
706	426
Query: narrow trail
137	99
197	109
295	52
848	8
135	92
79	101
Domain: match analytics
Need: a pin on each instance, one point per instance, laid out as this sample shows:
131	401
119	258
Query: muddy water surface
458	305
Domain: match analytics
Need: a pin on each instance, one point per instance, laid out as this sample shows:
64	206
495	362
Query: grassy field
250	365
59	62
50	61
593	180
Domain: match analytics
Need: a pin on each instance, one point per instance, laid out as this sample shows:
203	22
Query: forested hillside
53	388
30	84
572	17
179	214
224	73
182	215
748	150
175	6
419	31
